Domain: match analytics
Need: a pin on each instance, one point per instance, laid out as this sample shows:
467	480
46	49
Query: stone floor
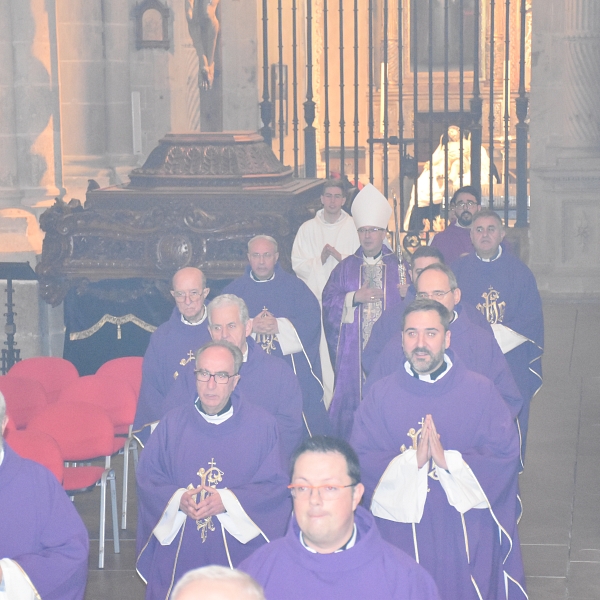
560	487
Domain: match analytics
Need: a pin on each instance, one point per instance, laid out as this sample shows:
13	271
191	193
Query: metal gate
418	97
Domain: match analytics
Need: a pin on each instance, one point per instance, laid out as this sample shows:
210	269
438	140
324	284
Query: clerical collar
454	317
1	452
261	280
225	413
430	377
371	260
349	544
490	259
186	322
245	354
321	215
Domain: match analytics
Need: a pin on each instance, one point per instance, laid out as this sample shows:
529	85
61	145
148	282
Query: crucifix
210	477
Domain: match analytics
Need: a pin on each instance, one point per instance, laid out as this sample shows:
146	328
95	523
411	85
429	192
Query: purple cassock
479	547
266	381
477	348
241	454
344	340
41	530
169	355
505	292
372	568
286	296
453	242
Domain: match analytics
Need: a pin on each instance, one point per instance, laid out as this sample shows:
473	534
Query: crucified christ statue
203	26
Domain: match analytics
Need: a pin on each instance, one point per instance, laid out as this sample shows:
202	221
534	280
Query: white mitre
371	208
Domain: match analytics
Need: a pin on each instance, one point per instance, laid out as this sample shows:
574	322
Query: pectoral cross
210	477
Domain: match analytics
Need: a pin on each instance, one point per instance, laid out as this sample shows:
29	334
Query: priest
43	541
320	244
172	347
440	457
333	548
265	380
476	346
286	322
359	289
210	483
504	290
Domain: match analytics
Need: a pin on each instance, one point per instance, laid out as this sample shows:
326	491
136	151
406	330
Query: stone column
565	147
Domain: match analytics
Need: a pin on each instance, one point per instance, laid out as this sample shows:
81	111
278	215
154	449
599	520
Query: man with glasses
332	548
359	289
265	380
455	240
286	322
475	345
172	347
439	450
320	244
210	483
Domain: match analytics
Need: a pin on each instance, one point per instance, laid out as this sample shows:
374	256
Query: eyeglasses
204	376
326	492
370	229
463	205
265	256
437	295
193	295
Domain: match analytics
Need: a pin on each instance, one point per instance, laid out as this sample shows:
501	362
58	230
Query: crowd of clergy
353	430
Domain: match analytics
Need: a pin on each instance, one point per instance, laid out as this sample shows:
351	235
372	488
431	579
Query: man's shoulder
259	359
168	327
23	471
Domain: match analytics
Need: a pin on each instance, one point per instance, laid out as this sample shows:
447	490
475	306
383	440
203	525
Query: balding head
189	292
217	583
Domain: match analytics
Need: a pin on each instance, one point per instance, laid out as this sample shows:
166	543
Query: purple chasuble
477	348
169	355
245	450
266	381
505	292
472	418
41	530
344	339
286	296
372	568
453	242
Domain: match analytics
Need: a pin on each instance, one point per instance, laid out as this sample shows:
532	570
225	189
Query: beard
426	364
465	219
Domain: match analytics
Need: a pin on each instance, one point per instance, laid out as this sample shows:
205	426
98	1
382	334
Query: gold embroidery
372	276
176	375
210	477
189	358
118	321
267	341
491	309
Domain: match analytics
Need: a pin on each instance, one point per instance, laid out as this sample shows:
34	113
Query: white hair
228	300
268	238
218	573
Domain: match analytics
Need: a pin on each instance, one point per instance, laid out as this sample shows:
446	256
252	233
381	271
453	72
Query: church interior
140	137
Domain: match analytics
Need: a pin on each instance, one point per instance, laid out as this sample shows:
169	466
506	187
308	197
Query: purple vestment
41	530
477	348
344	339
286	296
505	292
453	242
169	355
245	449
265	380
372	568
471	418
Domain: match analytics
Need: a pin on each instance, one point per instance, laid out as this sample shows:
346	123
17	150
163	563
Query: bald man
172	348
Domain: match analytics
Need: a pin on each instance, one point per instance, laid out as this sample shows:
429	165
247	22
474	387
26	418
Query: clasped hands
265	322
366	294
329	250
429	445
211	506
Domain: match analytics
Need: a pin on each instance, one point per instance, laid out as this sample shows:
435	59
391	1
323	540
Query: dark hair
427	251
337	183
442	269
426	305
235	352
486	212
324	444
466	189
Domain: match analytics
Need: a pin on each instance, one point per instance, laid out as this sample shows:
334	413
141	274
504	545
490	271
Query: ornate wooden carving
197	201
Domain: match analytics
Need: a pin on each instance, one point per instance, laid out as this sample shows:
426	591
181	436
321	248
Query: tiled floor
560	487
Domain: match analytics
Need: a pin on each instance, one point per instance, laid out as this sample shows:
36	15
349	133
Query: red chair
24	398
52	372
39	447
128	368
119	400
83	433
